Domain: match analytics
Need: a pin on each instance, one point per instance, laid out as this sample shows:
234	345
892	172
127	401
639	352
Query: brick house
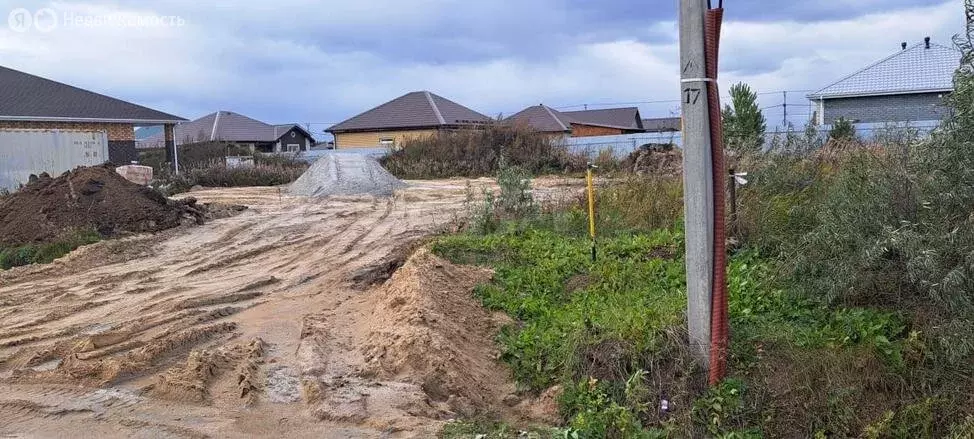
32	102
907	86
584	123
415	114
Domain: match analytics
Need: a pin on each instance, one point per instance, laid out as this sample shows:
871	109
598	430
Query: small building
415	114
584	123
29	102
907	86
242	131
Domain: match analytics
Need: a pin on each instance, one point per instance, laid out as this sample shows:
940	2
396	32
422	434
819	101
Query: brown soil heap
87	198
655	159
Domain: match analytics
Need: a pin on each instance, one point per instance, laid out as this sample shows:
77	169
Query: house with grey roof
907	86
29	102
415	114
236	129
584	123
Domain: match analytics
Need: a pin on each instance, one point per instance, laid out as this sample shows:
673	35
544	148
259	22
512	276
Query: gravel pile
345	174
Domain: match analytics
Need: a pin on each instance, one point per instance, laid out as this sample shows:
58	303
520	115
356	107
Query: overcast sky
324	61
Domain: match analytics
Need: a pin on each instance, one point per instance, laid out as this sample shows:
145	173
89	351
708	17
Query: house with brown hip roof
29	102
584	123
413	115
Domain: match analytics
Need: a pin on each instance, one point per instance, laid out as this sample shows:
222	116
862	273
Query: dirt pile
88	198
428	329
345	174
655	159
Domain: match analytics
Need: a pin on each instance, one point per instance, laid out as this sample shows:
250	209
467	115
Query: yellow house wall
371	139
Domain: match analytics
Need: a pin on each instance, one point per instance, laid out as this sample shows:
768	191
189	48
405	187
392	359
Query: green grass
626	295
45	253
612	332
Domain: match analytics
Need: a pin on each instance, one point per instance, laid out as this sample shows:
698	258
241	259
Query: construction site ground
279	321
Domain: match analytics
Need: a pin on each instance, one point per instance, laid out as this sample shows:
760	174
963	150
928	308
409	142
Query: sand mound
427	328
85	198
345	174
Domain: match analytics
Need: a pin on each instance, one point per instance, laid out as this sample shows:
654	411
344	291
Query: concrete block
136	173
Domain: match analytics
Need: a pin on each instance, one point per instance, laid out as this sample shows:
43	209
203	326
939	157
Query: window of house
293	147
390	143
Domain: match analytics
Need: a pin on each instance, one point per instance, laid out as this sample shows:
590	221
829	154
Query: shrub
477	153
515	200
842	130
267	170
154	158
512	202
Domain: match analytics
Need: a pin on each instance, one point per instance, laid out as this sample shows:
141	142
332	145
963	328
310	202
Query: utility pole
698	178
784	104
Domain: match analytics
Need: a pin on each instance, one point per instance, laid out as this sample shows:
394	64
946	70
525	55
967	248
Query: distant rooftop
225	126
418	109
663	124
923	67
549	120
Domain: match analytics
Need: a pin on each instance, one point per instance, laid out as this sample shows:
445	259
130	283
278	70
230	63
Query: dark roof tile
230	127
412	110
25	96
549	120
624	118
661	124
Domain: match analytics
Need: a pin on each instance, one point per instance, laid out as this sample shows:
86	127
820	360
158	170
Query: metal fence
618	146
621	146
26	152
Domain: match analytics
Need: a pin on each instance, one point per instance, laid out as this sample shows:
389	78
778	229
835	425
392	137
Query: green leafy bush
842	130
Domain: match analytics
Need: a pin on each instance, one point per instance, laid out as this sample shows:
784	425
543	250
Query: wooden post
732	195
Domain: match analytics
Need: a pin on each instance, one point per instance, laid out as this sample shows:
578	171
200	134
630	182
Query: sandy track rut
210	330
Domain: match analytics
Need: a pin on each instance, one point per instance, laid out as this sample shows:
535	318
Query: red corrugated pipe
719	326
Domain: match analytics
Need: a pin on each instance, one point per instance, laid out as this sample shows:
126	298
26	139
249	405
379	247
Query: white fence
25	152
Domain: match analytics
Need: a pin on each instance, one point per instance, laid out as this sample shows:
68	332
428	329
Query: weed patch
48	252
266	171
480	152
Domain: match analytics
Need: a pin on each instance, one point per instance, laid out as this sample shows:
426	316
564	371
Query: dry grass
480	152
269	171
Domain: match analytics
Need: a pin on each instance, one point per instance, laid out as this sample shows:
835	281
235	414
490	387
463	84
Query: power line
668	101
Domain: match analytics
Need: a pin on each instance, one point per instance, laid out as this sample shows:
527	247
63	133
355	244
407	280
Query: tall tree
744	124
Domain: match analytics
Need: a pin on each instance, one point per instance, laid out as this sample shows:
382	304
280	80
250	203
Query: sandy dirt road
234	328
